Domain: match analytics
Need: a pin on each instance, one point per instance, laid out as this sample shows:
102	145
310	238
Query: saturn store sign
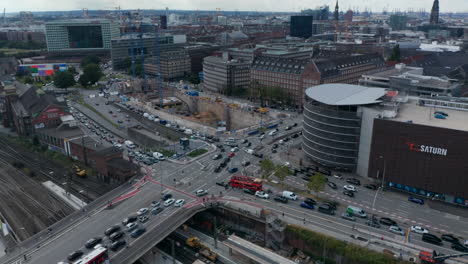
427	149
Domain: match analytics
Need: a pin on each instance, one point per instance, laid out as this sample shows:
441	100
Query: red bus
245	182
98	255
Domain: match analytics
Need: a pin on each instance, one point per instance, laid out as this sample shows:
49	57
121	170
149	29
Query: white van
290	195
356	211
145	115
151	117
250	151
158	156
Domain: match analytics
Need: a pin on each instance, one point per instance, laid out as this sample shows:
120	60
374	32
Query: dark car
459	247
430	238
348	193
373	223
117	245
295	136
353	181
387	221
111	230
371	186
326	209
129	219
249	191
75	255
93	242
217	169
116	235
233	170
138	232
307	205
275	146
167	196
281	199
416	200
222	184
450	238
311	201
332	185
331	204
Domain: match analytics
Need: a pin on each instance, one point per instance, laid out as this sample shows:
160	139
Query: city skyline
241	5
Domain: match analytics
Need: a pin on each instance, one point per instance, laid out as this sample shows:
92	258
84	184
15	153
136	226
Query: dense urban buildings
80	35
174	62
226	75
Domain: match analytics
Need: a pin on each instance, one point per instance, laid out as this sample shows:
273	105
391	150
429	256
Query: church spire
336	14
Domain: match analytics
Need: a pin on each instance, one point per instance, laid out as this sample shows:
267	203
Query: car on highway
169	202
450	238
311	201
353	181
307	205
338	176
156	210
217	169
130	219
274	146
349	187
167	196
281	199
348	216
201	192
387	221
416	200
116	235
75	255
233	170
459	247
138	232
232	154
245	163
373	223
326	209
143	219
332	185
117	245
111	230
155	204
419	229
249	191
131	226
396	230
142	211
348	193
216	157
234	149
433	239
371	186
221	183
262	194
93	242
179	203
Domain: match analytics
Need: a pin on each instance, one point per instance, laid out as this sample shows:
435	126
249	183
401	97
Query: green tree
90	59
267	167
92	72
72	70
84	81
63	79
28	79
317	183
395	56
281	171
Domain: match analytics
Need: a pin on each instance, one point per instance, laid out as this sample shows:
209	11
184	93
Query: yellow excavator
194	242
79	172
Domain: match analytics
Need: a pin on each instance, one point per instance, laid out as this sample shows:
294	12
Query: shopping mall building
415	144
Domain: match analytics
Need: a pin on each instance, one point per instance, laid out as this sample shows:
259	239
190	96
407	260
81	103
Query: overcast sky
229	5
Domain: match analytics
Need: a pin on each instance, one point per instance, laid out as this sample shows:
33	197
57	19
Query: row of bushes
349	252
197	152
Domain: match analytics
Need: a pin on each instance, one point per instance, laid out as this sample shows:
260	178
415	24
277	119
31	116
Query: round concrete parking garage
332	123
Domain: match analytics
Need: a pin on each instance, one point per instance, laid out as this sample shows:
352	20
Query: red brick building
293	76
111	167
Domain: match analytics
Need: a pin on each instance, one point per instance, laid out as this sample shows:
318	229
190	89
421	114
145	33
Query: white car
169	202
234	149
349	187
179	203
262	194
142	211
397	230
131	226
419	230
201	192
466	243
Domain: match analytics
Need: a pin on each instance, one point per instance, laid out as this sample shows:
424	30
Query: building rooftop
88	142
395	71
423	115
345	94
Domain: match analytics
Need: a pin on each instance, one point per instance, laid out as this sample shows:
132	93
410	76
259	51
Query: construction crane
157	53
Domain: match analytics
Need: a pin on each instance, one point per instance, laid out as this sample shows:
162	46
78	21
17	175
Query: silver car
396	230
